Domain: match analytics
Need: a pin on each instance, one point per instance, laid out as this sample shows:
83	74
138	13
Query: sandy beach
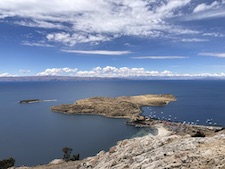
162	131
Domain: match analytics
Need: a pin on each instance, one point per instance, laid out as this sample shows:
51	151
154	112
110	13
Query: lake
33	135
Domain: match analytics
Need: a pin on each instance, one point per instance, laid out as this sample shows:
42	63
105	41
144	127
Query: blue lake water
32	134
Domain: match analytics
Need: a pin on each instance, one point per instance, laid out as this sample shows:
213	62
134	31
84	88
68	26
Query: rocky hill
164	151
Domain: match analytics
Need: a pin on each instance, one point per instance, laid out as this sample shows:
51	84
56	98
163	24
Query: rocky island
30	101
119	107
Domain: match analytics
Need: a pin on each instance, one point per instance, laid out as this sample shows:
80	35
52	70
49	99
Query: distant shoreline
76	78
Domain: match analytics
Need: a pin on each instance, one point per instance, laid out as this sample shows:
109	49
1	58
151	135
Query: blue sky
112	38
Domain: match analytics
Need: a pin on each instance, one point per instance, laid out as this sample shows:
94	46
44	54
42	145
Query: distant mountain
51	78
72	78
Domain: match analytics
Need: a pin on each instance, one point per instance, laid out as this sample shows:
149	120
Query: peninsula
119	107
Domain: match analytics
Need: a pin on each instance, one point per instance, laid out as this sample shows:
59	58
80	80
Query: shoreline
178	128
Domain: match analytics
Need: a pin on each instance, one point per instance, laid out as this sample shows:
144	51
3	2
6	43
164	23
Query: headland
119	107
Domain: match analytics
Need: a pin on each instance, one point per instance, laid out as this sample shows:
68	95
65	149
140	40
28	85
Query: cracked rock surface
164	151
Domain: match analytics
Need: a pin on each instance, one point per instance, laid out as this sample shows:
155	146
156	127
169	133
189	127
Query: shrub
4	164
198	134
67	154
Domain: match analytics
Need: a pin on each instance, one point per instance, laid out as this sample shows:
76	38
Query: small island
30	101
119	107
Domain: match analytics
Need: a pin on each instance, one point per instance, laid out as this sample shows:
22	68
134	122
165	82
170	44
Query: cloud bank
122	72
7	75
58	72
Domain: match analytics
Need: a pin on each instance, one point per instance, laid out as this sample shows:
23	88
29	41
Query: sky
112	38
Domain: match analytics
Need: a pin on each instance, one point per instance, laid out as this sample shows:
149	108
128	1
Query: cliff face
125	107
157	152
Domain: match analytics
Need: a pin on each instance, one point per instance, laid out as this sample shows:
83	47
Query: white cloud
58	72
41	24
214	34
97	52
194	40
220	55
110	71
206	11
7	75
72	39
167	9
38	44
128	44
159	57
204	6
85	21
24	71
61	37
121	72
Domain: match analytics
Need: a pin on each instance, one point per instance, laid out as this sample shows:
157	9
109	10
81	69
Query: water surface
32	134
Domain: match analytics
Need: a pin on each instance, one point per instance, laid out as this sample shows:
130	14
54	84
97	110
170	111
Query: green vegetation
67	154
4	164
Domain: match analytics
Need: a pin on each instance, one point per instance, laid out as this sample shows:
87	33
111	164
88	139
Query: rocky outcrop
157	152
164	152
122	107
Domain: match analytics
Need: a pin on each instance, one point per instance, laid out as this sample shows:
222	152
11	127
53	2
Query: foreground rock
122	107
157	152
